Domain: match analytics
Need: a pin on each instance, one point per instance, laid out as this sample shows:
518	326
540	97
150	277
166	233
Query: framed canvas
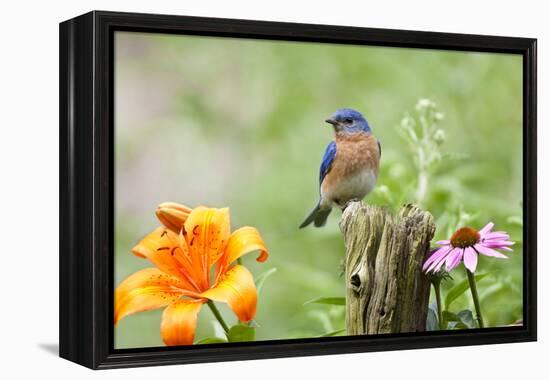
234	189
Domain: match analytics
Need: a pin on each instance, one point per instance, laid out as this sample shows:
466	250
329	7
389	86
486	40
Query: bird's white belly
355	186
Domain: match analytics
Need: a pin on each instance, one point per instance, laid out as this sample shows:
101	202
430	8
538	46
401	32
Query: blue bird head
348	121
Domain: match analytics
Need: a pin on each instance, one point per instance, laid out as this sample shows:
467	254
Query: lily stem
218	316
473	288
437	288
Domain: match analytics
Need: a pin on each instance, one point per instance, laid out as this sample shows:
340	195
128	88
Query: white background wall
29	186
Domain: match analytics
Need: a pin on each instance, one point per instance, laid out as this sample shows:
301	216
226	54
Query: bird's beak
331	121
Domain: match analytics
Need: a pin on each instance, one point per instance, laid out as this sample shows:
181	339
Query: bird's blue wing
328	158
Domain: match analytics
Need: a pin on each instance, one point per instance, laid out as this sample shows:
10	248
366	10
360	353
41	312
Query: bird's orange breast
355	152
355	166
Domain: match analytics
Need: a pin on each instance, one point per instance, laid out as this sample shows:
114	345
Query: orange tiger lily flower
194	254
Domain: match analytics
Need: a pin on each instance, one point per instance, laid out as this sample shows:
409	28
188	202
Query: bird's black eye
348	120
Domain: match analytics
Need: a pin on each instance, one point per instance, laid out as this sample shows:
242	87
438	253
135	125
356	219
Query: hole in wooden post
355	280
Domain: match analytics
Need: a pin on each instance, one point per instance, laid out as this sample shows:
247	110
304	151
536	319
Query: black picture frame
87	182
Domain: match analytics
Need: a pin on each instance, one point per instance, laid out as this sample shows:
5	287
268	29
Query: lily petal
179	322
236	288
146	289
173	215
162	248
243	241
470	259
207	233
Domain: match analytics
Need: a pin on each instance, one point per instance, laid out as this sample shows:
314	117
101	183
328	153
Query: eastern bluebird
350	165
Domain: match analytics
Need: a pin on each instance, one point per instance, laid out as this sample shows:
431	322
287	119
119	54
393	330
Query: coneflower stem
218	316
475	297
437	288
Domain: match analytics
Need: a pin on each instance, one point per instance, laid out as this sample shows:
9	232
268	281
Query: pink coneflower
465	244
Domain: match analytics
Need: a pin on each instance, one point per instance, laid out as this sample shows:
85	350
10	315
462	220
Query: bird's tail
317	216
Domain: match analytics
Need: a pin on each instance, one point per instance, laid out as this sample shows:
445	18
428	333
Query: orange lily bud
172	215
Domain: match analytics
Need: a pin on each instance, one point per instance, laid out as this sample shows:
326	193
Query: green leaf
456	326
457	321
341	301
241	333
449	316
431	320
210	340
451	320
332	333
460	288
323	318
467	318
260	280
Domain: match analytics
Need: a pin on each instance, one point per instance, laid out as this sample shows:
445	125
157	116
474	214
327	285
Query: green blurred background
239	123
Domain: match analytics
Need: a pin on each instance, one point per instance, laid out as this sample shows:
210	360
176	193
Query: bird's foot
348	203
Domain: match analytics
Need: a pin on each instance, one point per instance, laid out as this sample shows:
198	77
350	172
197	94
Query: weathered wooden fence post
386	291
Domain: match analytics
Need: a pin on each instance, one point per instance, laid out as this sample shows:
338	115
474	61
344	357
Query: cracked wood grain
386	291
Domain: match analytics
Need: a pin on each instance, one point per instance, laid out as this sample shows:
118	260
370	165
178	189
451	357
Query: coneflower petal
456	260
489	251
488	227
496	236
436	255
470	259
